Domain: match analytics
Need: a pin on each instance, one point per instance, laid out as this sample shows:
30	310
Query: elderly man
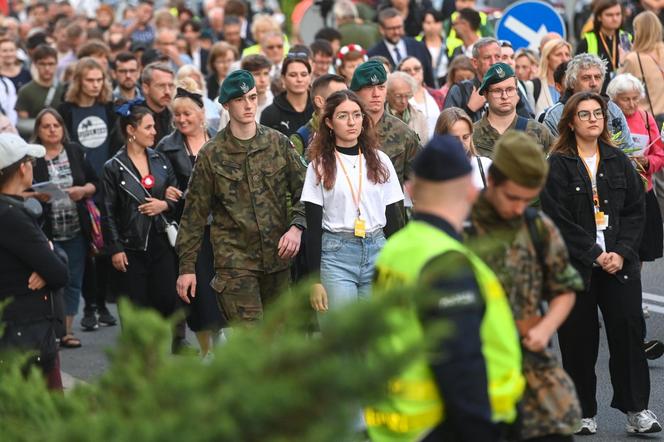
585	73
400	89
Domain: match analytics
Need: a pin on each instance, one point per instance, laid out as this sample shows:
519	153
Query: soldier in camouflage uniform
525	249
321	88
502	95
397	140
242	178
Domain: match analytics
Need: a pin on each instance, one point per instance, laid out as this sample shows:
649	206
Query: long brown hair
566	143
446	120
323	146
82	67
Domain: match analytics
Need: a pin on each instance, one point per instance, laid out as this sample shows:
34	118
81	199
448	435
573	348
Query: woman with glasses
596	198
67	221
222	55
456	122
429	101
293	108
351	194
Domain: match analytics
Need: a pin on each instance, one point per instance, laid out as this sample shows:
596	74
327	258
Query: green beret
521	159
369	73
496	73
236	84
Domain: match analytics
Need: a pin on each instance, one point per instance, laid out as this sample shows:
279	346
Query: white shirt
430	110
402	50
477	175
591	162
339	208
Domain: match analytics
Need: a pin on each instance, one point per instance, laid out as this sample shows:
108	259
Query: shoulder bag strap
479	164
645	83
49	96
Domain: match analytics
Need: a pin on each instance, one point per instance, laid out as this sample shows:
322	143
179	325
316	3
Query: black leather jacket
567	199
172	146
122	224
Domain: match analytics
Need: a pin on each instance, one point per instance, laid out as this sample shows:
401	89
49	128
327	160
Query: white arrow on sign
525	32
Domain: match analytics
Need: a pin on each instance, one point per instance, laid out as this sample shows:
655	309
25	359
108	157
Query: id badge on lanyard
601	219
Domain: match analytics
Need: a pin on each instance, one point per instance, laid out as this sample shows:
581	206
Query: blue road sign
526	22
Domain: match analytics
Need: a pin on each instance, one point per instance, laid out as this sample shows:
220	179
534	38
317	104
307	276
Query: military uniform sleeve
457	360
413	146
297	170
561	276
546	139
197	207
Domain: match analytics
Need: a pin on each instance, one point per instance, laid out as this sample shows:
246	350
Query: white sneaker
588	426
643	421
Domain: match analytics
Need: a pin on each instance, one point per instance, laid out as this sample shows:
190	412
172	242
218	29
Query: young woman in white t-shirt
456	122
351	194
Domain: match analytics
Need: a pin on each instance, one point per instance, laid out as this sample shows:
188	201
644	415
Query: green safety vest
453	41
413	406
593	42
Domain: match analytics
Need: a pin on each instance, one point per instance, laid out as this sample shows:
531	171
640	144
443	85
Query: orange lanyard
356	198
613	53
593	178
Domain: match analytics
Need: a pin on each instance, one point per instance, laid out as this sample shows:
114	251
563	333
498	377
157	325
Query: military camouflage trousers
550	404
242	295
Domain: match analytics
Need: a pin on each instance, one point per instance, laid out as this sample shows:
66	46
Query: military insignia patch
244	88
500	72
374	79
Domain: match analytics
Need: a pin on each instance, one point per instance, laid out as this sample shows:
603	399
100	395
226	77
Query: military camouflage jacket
399	142
245	186
550	404
485	136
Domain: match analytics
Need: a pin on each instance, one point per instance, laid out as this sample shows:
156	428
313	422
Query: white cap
13	149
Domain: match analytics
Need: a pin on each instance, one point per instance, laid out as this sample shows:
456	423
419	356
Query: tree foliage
271	382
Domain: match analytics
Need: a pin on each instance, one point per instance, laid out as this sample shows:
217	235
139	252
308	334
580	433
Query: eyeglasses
271	47
585	115
402	97
498	93
303	55
126	71
164	86
345	116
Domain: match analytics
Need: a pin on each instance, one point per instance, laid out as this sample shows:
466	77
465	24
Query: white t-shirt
339	208
477	175
430	110
591	162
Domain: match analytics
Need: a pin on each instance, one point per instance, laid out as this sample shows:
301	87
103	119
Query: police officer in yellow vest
468	388
607	40
453	41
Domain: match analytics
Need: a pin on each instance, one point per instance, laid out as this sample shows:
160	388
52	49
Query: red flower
148	181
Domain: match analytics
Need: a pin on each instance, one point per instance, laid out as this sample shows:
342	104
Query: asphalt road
90	361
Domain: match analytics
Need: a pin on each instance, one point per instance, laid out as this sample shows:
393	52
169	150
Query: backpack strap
521	123
304	133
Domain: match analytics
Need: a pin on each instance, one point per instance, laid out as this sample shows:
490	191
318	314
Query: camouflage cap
521	159
442	159
236	85
496	73
369	73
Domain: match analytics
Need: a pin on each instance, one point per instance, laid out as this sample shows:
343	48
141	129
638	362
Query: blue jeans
76	250
347	265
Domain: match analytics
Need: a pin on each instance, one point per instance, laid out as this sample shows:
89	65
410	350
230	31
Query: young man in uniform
501	90
242	178
397	140
529	256
471	382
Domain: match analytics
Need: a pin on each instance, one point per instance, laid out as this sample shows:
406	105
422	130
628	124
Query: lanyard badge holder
601	219
360	228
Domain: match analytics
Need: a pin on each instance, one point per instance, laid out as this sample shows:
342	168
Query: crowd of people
198	157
